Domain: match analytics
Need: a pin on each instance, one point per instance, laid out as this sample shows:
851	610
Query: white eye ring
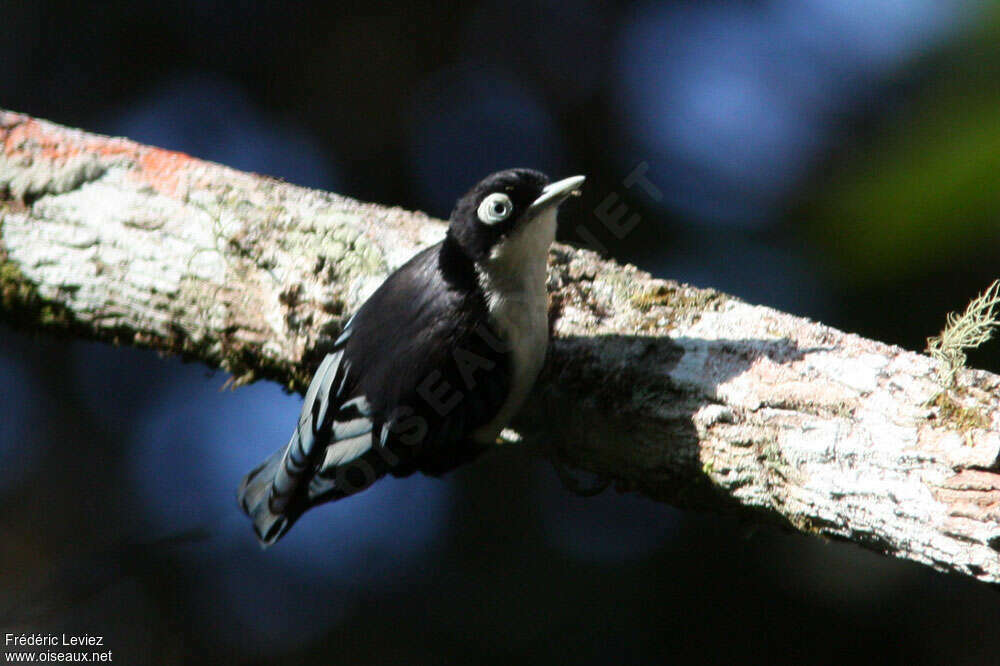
495	208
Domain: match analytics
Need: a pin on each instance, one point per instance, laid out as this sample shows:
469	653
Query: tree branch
687	395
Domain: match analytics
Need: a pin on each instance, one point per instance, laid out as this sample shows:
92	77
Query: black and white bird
433	365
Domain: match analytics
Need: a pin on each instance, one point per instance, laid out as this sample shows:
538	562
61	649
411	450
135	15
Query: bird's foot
579	482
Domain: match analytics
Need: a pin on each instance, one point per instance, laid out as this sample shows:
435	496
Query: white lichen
969	330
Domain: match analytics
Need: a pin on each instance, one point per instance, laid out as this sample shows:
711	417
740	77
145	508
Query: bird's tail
270	521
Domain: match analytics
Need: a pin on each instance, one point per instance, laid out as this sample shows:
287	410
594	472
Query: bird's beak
555	193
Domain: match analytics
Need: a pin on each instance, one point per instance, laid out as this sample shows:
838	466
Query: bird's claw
573	480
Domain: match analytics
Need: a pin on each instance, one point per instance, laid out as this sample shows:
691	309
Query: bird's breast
517	302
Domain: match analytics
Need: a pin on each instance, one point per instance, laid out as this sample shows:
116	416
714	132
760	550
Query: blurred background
833	158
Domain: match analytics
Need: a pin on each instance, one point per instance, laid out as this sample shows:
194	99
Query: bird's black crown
493	208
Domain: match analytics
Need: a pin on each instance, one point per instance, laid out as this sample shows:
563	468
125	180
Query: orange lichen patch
111	147
972	494
22	136
163	169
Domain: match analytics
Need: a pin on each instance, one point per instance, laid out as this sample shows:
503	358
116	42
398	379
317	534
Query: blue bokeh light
752	270
21	430
115	383
191	447
732	104
559	41
471	121
213	119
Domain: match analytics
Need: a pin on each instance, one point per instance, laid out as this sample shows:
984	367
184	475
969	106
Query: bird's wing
372	392
420	384
434	375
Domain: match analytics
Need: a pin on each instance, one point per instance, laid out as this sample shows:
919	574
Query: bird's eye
495	208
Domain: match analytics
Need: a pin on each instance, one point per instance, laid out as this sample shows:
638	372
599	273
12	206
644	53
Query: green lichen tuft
23	306
962	332
676	296
974	327
13	287
247	363
647	299
957	416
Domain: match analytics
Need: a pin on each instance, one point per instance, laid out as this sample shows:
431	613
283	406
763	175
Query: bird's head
508	213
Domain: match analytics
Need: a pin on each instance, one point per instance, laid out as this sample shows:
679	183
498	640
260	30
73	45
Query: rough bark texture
687	395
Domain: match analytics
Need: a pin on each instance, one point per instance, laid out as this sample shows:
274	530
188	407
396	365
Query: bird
430	369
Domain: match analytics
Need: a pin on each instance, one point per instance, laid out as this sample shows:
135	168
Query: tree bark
687	395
